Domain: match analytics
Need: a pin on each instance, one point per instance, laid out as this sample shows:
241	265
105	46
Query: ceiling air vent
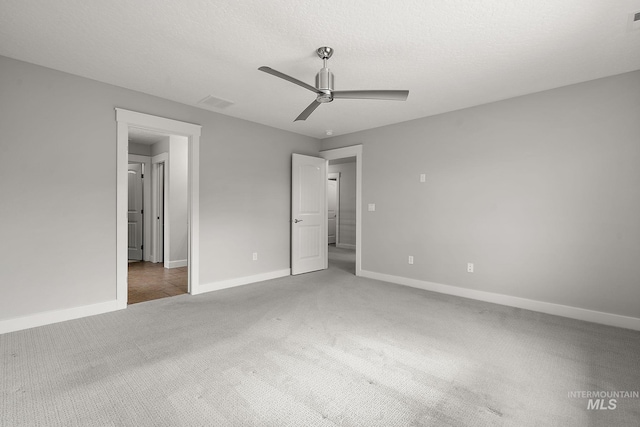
212	101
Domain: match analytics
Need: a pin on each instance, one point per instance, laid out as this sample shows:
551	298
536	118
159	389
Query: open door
308	214
135	212
157	205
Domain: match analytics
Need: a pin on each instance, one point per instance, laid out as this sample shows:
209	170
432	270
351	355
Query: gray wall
58	189
178	198
139	149
347	217
160	147
540	192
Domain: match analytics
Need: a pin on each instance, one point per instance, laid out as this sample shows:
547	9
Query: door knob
297	220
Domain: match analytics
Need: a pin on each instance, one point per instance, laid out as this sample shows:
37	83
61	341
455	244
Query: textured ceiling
450	54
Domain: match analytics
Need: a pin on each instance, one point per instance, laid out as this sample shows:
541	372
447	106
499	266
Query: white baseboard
176	264
49	317
239	281
528	304
346	246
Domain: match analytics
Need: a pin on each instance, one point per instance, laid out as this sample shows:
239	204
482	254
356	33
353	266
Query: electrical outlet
255	256
423	177
470	267
410	259
372	207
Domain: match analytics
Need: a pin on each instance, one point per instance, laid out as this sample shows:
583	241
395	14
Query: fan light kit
324	87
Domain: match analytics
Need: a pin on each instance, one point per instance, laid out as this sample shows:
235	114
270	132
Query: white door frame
126	118
341	153
158	244
146	203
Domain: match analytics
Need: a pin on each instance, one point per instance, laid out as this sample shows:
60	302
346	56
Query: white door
135	211
159	244
308	214
332	209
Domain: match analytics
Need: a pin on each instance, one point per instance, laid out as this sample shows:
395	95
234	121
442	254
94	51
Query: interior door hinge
141	247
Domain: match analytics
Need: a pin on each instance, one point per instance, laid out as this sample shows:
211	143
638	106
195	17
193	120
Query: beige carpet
321	349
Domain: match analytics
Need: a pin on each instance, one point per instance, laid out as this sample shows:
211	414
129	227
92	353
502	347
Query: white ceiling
450	54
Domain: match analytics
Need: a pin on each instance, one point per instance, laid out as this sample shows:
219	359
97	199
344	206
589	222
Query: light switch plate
372	207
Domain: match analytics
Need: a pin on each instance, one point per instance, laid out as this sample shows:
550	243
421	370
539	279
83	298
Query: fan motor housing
324	79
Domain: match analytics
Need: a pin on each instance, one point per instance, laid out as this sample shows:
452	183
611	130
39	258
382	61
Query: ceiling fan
324	87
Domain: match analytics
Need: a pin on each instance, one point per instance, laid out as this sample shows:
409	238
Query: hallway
342	259
148	281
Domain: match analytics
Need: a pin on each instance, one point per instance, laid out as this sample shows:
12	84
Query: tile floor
148	281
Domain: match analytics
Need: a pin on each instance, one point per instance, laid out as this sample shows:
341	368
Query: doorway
157	268
341	213
180	250
347	162
333	206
